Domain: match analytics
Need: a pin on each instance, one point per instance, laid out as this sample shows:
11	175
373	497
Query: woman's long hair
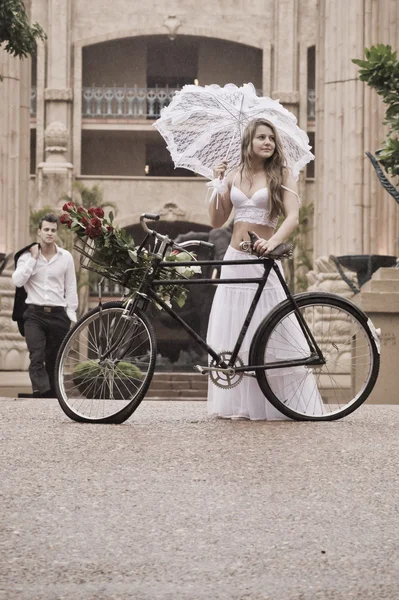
275	168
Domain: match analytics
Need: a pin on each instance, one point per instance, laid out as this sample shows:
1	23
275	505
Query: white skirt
229	309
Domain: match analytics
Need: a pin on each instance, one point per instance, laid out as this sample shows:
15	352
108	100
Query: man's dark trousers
45	328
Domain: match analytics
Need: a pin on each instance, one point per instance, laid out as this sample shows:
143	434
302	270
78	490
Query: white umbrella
204	125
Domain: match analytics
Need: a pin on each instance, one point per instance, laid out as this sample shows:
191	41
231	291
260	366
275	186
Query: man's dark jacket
20	296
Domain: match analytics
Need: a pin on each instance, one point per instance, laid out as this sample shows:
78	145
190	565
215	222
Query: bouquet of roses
110	251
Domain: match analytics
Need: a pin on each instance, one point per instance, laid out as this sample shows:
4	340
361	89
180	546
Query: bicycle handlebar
150	217
161	237
195	243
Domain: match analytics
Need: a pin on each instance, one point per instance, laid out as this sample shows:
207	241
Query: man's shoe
49	394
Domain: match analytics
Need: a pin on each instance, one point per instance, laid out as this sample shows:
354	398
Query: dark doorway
171	63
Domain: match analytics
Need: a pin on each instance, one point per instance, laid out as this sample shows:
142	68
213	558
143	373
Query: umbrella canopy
204	125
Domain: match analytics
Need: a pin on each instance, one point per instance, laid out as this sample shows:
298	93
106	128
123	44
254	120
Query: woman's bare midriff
240	232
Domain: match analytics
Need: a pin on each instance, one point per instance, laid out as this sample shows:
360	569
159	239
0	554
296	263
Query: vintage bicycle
315	356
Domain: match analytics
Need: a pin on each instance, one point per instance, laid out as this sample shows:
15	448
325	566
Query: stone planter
366	264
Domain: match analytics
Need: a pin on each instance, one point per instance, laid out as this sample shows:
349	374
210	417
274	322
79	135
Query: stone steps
382	285
164	386
178	386
386	273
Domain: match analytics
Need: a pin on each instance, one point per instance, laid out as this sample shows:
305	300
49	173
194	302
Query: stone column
55	173
77	109
14	205
285	54
380	212
353	215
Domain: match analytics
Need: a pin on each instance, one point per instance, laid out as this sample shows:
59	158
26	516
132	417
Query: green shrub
91	368
380	71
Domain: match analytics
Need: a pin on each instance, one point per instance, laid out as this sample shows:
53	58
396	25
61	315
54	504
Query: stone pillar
380	211
77	109
379	298
14	204
285	54
353	214
55	173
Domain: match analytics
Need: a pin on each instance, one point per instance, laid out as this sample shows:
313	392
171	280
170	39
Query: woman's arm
291	212
221	206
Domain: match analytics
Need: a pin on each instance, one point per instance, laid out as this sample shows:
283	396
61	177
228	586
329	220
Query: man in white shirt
47	273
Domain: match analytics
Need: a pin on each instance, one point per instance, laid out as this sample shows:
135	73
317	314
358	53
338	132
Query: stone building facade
107	68
14	189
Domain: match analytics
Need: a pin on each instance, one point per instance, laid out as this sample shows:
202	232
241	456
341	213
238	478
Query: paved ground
172	505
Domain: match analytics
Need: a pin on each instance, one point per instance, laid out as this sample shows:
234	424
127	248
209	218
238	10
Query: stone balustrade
311	105
125	102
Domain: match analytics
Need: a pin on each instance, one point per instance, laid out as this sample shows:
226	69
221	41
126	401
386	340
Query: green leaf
181	299
133	255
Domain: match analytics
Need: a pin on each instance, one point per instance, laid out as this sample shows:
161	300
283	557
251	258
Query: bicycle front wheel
350	347
96	390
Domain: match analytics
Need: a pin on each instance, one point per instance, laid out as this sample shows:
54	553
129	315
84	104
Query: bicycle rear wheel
109	390
350	347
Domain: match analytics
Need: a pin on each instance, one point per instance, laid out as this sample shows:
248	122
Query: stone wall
14	198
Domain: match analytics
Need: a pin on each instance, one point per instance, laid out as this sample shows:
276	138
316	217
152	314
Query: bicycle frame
147	294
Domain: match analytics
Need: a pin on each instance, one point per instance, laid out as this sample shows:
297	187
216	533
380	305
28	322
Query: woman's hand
220	169
264	247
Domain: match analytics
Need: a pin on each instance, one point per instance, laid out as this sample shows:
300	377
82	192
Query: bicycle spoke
348	350
97	388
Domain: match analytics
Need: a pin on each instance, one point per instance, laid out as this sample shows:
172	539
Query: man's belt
46	309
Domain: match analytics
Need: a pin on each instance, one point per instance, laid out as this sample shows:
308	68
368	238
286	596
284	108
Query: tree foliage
380	71
15	30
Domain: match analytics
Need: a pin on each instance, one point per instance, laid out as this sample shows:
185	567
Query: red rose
81	209
110	228
92	232
96	223
92	211
64	219
99	212
69	223
85	221
68	206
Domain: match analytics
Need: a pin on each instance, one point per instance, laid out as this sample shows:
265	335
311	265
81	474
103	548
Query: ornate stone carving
172	24
325	278
13	350
171	211
14	354
58	95
56	138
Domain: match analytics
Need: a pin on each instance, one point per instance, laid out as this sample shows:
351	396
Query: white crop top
255	209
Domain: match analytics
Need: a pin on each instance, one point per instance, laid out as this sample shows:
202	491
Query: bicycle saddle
280	252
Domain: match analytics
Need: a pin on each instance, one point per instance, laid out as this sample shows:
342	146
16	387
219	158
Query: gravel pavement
174	505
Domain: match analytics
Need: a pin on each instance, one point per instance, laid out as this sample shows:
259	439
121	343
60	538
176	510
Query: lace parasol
204	125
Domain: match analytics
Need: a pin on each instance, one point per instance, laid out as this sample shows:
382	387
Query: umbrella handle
229	148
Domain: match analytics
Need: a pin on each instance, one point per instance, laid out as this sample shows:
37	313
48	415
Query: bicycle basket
119	268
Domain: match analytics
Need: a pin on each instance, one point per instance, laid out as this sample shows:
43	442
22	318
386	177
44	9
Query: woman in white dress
259	190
